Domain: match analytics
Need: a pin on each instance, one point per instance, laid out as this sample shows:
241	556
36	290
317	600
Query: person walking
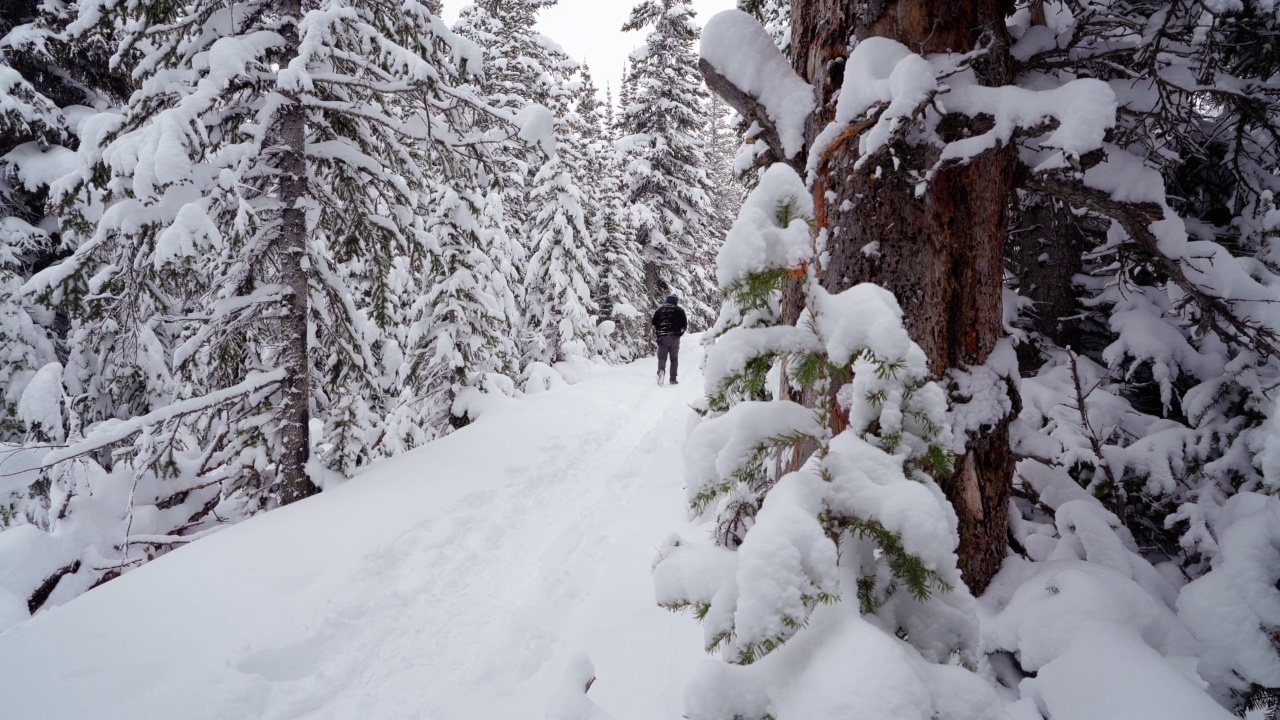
669	323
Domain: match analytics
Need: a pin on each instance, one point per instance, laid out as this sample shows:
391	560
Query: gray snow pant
669	345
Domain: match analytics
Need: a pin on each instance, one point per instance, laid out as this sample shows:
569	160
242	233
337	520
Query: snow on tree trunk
295	416
941	254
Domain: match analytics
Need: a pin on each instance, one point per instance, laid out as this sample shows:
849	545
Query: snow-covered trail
455	581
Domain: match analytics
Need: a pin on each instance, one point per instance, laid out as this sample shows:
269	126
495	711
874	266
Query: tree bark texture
295	412
941	254
1050	246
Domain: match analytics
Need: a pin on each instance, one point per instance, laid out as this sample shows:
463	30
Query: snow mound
842	667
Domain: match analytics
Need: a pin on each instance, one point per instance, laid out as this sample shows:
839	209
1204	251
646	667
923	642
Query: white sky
590	30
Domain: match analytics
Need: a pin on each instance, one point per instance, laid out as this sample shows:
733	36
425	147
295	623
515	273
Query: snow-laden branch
888	88
741	64
114	431
534	123
1141	221
173	539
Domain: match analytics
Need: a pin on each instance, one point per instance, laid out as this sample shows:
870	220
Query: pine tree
560	315
593	136
597	175
726	190
626	97
460	338
24	114
665	185
610	121
521	69
620	289
722	145
1144	435
804	524
234	302
521	66
1192	280
42	78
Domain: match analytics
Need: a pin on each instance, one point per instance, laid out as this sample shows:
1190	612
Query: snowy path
453	582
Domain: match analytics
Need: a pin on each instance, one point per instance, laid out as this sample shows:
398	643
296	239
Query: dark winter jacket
670	320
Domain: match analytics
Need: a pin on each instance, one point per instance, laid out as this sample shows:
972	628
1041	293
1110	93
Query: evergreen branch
113	433
921	581
756	289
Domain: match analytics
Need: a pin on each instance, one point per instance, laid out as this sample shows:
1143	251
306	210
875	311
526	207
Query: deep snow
490	574
461	580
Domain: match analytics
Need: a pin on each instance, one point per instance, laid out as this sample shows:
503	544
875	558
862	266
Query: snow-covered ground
462	580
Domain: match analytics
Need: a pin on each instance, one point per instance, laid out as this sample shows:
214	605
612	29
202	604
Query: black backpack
669	320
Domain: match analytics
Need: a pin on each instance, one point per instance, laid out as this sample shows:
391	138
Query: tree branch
1136	218
750	107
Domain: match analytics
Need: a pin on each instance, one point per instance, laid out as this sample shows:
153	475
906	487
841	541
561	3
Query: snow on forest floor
456	581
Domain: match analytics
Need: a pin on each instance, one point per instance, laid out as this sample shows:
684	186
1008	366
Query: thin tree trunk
1050	252
654	286
294	411
940	254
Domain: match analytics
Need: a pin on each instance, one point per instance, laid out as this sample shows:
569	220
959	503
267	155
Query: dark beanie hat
671	299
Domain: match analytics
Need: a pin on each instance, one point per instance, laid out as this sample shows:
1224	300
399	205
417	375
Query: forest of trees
991	291
247	247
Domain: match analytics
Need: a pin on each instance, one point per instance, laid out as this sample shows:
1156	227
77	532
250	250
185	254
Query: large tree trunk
941	254
295	412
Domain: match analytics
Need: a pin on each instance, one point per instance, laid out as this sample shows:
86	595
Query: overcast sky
590	30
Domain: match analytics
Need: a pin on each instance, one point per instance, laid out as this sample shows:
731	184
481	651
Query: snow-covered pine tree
232	299
626	96
827	524
47	88
722	145
461	337
560	315
617	288
30	119
521	67
1168	363
610	113
726	191
665	185
584	102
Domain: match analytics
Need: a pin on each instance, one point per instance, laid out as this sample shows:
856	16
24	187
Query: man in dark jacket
669	323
